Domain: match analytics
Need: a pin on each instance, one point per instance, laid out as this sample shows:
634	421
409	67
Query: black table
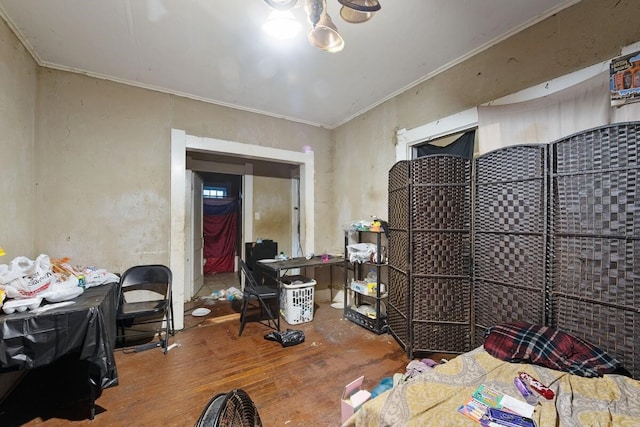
277	269
86	328
300	262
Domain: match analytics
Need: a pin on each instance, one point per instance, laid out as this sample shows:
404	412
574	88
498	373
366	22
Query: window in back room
210	192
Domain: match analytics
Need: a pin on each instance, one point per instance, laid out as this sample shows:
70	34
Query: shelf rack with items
364	279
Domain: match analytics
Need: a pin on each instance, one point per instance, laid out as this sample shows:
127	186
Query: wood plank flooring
294	386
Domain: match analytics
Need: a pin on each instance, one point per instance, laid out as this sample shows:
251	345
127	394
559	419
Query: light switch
257	216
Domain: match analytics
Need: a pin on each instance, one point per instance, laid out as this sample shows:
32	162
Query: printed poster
624	79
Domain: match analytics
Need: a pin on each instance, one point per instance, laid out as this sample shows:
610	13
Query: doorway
181	246
219	232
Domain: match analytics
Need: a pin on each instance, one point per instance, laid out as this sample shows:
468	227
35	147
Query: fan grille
234	409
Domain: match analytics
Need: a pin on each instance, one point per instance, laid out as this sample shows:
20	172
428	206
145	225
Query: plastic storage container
296	299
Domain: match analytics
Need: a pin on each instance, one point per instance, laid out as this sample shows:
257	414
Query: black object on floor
286	338
148	346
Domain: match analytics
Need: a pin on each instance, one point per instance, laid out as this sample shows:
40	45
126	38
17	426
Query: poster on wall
624	79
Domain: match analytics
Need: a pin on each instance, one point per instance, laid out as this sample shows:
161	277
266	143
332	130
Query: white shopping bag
25	278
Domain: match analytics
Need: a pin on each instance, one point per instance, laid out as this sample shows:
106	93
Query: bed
434	396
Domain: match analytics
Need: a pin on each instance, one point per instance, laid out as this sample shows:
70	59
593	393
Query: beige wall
17	112
588	33
207	120
272	204
96	172
105	166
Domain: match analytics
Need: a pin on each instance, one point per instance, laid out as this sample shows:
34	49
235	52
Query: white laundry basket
296	299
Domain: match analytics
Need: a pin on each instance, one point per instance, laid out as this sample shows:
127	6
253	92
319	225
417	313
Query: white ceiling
215	51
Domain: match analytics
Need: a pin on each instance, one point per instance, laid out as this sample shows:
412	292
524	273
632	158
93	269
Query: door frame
195	234
181	143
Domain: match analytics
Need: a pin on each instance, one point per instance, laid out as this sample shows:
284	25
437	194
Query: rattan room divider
596	239
430	254
551	236
510	219
400	292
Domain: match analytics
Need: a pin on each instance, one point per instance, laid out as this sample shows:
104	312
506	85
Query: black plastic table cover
87	328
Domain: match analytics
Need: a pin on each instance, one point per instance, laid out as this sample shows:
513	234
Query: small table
281	267
87	328
277	267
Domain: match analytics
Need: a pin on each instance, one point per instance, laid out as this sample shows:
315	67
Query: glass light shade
325	35
281	4
355	16
282	25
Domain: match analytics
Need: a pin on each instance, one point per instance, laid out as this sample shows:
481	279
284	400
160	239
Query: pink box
353	397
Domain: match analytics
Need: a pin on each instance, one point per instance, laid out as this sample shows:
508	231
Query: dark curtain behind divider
219	226
462	147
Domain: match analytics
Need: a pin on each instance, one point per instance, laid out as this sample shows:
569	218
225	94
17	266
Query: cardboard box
353	397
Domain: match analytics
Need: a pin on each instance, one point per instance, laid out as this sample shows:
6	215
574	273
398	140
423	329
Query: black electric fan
233	409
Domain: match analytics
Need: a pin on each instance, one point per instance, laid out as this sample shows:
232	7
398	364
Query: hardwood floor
294	386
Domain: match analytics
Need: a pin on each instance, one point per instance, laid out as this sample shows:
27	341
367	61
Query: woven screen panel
605	148
399	209
440	337
399	175
510	207
441	314
498	303
399	249
510	216
598	203
512	259
398	206
445	253
441	170
398	324
615	331
398	307
439	299
478	336
510	194
595	268
440	207
598	269
633	202
514	163
399	290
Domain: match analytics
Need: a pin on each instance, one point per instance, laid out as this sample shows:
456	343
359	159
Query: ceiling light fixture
281	24
281	4
323	33
357	11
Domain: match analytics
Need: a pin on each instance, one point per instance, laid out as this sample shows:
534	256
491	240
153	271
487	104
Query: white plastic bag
63	291
99	277
361	252
24	278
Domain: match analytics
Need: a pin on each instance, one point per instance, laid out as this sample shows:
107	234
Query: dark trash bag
286	338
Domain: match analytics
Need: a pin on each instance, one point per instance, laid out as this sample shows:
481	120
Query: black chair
254	252
230	409
264	295
145	299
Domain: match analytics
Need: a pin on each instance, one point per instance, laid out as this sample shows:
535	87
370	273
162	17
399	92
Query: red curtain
219	226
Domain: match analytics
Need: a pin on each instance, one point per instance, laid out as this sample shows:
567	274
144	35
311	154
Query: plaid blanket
545	346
